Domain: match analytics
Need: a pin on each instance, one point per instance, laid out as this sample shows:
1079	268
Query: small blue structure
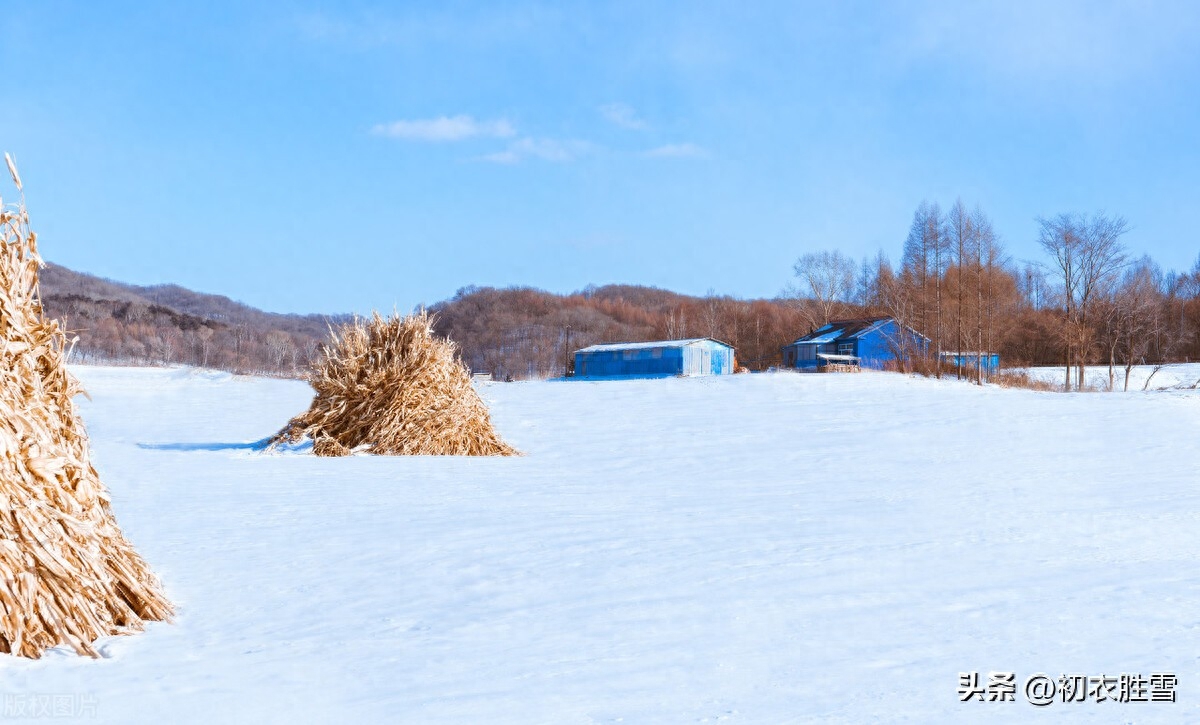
659	359
971	361
848	344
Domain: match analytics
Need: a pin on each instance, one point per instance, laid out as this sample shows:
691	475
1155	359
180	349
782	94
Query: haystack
68	574
390	387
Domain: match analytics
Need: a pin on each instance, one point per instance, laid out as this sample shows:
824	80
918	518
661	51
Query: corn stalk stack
67	574
390	387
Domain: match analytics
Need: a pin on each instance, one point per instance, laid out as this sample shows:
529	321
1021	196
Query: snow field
752	549
1141	377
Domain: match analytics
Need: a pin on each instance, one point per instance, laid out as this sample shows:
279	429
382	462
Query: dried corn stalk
390	387
67	574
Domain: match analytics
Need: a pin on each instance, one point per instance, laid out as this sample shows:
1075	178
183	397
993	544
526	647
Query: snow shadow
252	446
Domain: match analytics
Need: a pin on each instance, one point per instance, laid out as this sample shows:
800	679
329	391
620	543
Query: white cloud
678	151
623	116
444	128
502	157
1072	40
546	149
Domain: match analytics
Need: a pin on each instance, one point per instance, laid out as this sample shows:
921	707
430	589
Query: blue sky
322	157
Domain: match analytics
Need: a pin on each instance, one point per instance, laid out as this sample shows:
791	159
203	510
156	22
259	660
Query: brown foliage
521	332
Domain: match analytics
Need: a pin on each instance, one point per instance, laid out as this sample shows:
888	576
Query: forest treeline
1087	301
522	332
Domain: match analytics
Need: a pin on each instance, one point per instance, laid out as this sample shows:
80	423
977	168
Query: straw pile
389	387
68	574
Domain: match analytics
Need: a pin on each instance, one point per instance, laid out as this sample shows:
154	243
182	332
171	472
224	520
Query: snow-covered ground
1141	377
752	549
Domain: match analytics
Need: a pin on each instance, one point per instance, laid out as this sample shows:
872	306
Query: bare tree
1132	312
1087	257
900	300
1033	285
924	263
164	345
203	340
963	238
712	314
828	279
874	277
991	280
979	242
280	347
677	325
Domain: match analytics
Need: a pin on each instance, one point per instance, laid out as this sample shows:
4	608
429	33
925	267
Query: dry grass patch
1022	379
390	387
68	574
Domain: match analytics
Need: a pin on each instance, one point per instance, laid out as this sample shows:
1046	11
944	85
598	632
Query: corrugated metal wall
700	358
878	347
649	362
991	362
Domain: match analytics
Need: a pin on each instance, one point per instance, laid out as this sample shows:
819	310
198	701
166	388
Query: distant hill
59	281
162	324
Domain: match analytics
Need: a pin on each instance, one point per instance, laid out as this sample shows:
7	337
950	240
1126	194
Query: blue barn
971	361
873	342
664	358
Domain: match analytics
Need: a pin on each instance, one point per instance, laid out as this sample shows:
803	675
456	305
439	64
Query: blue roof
650	345
824	337
843	330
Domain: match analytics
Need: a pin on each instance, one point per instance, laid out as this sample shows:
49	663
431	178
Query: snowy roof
842	329
649	345
836	358
827	337
965	353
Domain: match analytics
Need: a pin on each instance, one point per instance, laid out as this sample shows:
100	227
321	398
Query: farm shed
971	360
662	358
870	343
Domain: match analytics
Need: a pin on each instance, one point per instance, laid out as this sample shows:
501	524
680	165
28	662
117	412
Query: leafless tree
164	345
1033	285
827	278
991	280
1087	257
280	347
963	239
677	324
925	259
1129	318
712	314
874	274
203	339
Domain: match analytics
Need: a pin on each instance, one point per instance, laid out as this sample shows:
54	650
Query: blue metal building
971	360
663	358
871	343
